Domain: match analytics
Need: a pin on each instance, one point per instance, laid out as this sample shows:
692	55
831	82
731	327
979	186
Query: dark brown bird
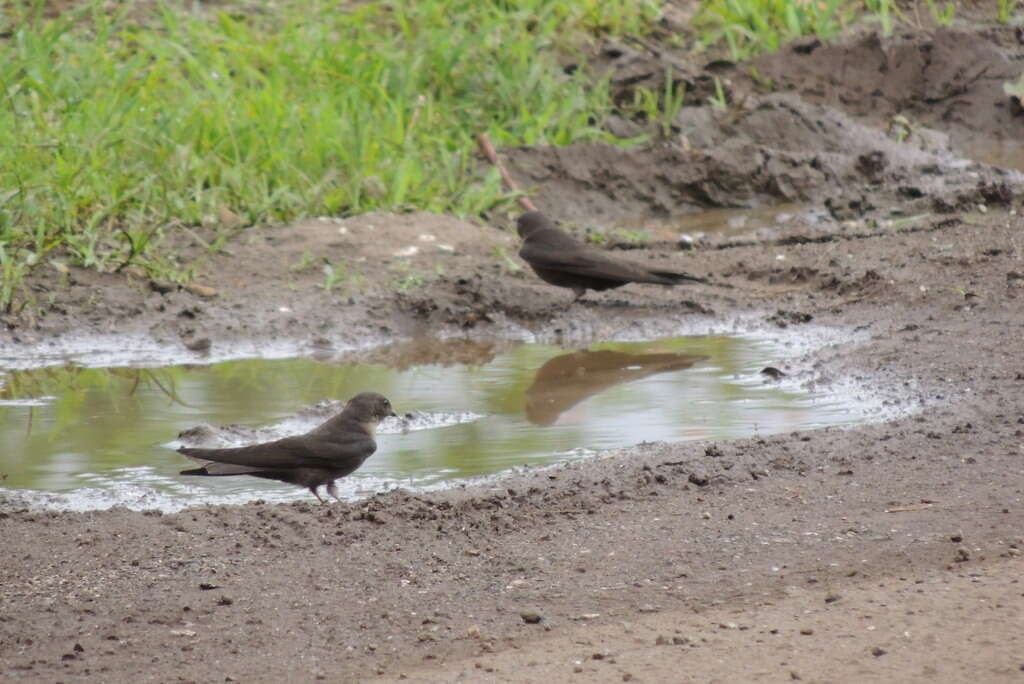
319	457
559	259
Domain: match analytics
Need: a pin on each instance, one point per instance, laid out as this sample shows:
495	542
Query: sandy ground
888	552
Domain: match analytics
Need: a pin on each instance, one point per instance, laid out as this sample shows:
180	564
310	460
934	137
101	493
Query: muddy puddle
1003	154
86	438
726	222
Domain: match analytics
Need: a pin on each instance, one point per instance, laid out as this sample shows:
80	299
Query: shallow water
1003	154
730	222
86	438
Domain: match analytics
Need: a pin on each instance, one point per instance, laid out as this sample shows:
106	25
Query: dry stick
488	150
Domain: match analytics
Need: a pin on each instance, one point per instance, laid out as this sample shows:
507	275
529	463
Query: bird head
369	407
530	222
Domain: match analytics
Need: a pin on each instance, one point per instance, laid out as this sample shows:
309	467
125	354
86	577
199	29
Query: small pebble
531	617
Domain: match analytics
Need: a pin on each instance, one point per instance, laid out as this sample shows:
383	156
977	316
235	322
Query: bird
334	449
559	259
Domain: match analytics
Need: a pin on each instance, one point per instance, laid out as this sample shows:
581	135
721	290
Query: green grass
618	235
1005	10
117	130
749	27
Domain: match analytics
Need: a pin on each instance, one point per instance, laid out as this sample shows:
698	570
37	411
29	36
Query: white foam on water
33	401
143	351
142	489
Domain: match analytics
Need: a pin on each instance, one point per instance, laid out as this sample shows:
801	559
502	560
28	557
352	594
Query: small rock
878	651
832	598
161	287
228	218
956	538
699	479
713	451
200	344
648	608
962	555
531	617
807	631
199	290
662	640
473	631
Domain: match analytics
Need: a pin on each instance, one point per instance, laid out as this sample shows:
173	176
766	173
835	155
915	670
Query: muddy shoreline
885	552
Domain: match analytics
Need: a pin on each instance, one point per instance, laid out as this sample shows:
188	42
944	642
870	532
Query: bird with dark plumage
319	457
559	259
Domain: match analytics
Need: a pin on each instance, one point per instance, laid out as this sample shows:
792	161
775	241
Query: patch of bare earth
888	552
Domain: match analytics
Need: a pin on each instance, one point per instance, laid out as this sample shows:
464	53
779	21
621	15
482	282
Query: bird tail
674	277
218	469
214	468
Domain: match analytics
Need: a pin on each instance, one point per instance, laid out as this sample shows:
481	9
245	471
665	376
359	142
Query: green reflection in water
91	420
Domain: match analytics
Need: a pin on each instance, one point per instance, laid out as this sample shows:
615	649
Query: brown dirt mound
881	122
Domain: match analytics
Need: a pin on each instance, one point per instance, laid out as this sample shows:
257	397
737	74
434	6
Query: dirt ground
887	552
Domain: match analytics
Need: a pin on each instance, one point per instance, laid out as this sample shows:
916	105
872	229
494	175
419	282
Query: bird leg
313	489
579	294
333	491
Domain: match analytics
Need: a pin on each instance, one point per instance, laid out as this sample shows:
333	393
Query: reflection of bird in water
566	380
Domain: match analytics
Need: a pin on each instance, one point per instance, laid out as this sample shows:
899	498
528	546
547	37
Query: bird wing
292	452
556	251
581	260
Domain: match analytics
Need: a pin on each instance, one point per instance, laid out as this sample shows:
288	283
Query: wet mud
894	547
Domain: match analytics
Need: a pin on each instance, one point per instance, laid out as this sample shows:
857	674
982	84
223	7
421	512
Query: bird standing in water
319	457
